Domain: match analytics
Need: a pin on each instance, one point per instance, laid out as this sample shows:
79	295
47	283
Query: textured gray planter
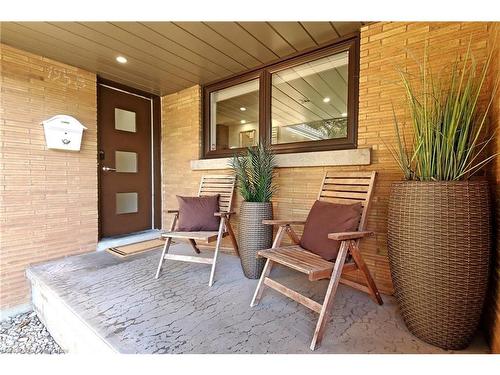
439	241
254	236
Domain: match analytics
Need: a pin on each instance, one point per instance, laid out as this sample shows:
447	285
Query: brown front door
124	123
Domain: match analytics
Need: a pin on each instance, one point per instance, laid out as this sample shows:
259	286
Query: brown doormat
135	248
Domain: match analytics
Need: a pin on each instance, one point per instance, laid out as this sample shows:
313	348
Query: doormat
135	248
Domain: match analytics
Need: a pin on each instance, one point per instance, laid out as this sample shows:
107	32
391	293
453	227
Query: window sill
359	156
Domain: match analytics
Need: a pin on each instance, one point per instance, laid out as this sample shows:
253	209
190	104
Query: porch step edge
67	328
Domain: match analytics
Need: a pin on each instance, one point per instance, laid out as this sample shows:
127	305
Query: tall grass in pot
439	223
254	171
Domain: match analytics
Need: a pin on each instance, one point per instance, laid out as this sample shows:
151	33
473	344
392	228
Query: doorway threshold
127	239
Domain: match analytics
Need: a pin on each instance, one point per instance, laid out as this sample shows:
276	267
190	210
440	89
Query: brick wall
492	317
383	47
180	143
48	199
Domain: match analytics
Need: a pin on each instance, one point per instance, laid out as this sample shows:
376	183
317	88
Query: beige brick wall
180	143
383	46
48	199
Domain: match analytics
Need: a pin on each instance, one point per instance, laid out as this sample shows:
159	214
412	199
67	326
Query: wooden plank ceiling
165	57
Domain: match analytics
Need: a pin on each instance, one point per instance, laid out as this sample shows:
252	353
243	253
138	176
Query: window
307	102
234	121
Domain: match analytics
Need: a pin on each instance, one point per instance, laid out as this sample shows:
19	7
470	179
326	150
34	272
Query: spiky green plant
448	125
254	170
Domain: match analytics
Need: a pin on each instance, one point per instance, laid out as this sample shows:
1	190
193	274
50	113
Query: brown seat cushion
197	213
325	218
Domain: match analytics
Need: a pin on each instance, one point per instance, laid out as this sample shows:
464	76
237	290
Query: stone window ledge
359	156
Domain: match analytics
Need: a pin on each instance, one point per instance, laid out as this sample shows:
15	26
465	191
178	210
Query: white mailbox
63	132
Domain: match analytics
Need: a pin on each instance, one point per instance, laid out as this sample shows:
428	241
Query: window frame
264	74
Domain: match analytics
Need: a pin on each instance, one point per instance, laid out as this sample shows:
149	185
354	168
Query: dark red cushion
325	218
197	213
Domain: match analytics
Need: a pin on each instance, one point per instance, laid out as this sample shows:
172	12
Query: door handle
108	169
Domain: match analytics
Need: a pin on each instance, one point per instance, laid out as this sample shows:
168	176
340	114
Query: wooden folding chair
210	185
339	187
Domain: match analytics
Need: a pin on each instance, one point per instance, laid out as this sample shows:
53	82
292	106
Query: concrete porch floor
100	302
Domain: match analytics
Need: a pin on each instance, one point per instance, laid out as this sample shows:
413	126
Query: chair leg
292	235
330	295
358	259
217	246
232	237
260	286
163	253
194	246
267	267
279	236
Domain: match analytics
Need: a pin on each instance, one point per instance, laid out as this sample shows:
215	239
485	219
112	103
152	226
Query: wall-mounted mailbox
63	132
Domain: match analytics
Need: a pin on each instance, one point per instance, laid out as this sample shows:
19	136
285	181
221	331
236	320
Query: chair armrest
341	236
284	222
172	211
224	214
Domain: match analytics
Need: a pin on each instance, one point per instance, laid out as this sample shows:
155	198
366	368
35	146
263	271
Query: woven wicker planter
254	236
439	239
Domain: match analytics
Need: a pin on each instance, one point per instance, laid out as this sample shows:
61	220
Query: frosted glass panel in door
126	162
125	120
126	203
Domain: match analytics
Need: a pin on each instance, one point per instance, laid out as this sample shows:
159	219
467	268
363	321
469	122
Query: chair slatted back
349	188
219	184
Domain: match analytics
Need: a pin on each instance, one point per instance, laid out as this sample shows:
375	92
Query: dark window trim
349	43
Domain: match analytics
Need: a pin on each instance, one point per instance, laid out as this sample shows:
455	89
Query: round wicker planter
439	240
254	236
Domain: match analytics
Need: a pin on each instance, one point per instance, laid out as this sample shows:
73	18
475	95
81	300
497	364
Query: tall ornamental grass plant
254	171
448	124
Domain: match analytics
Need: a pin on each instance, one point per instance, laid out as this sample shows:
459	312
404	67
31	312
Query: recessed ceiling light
326	100
344	114
243	109
121	59
243	122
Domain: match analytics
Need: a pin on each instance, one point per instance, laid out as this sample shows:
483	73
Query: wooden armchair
338	187
210	185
